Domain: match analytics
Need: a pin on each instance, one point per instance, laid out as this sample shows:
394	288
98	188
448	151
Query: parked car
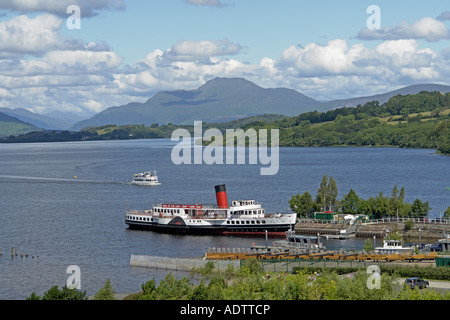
416	282
436	247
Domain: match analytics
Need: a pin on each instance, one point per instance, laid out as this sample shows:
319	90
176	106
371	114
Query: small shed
326	215
443	261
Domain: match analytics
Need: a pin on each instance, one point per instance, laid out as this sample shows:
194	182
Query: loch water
64	203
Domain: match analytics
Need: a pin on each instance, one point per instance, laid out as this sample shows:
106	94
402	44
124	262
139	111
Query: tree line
408	121
374	207
419	120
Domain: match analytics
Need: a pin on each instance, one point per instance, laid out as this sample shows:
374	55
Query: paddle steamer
243	217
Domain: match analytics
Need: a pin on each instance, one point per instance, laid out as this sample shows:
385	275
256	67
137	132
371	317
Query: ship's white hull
249	226
146	183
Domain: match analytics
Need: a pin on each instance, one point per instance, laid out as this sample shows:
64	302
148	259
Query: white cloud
89	8
426	28
317	60
93	105
24	35
91	81
206	48
43	71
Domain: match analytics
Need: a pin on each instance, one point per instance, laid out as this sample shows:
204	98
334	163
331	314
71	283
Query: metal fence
424	220
403	220
288	265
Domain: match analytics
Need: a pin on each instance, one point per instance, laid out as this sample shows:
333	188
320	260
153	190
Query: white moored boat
146	179
243	217
392	247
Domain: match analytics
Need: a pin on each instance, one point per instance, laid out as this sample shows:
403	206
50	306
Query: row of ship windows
246	221
139	218
244	212
160	210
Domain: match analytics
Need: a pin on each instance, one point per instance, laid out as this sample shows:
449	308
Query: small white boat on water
392	247
149	178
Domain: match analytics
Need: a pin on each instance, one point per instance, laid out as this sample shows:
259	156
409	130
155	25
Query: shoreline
424	231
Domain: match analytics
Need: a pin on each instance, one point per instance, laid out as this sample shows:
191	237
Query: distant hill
384	97
218	100
41	121
13	126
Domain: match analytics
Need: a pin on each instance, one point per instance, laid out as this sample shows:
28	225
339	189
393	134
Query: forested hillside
413	121
409	121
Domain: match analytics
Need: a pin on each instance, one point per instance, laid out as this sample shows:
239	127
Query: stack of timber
324	255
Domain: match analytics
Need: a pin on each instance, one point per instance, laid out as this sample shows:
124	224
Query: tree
380	206
332	194
442	133
54	293
149	290
350	203
106	292
303	204
368	246
447	213
365	206
200	292
396	202
420	209
327	194
321	198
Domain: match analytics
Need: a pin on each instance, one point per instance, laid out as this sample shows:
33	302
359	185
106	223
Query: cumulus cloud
25	35
184	68
43	71
426	28
191	50
331	71
89	8
317	60
91	81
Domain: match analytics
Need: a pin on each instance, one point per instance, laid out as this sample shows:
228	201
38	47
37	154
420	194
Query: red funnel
221	196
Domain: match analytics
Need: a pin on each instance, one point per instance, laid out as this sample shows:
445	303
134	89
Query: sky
84	56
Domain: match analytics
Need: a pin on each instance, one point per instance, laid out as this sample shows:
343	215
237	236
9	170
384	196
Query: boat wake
74	179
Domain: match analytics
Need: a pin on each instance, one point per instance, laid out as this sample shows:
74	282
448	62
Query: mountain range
226	99
42	121
12	126
218	100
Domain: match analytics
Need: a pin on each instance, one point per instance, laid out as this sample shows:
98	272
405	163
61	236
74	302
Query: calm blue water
63	221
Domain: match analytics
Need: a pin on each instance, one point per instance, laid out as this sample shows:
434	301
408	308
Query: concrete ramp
178	264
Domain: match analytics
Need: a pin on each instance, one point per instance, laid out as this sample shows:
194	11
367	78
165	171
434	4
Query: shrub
106	292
